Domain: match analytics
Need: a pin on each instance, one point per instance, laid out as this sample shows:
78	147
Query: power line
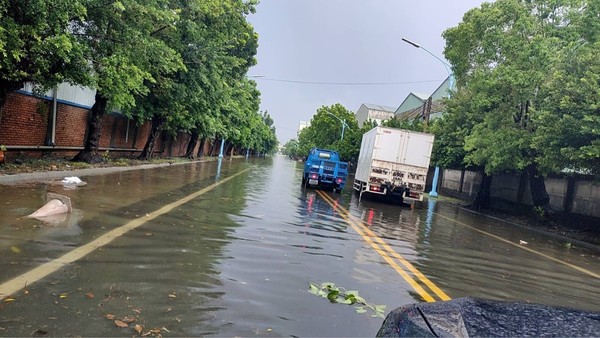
257	78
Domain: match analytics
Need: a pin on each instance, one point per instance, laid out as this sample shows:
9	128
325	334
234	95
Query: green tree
36	45
290	149
126	54
507	50
414	124
568	121
325	131
218	46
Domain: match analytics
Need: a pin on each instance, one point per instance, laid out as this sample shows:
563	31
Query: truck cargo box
393	162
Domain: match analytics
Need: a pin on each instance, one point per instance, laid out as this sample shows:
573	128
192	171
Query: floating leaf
138	328
328	286
128	319
63	295
109	316
332	295
172	295
345	301
15	249
8	300
341	295
121	324
89	295
380	308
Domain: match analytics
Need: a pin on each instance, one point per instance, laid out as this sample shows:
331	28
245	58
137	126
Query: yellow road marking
580	269
359	227
10	287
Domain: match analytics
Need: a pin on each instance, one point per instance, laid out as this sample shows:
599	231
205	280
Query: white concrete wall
557	189
587	198
72	95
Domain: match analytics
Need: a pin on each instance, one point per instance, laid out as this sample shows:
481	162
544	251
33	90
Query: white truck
393	163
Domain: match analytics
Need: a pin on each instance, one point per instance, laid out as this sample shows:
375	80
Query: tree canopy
527	90
37	47
528	86
325	131
180	64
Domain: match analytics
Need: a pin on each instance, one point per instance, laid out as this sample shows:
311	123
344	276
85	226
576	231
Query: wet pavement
207	250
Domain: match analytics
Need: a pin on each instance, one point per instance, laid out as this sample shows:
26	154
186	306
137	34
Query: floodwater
230	250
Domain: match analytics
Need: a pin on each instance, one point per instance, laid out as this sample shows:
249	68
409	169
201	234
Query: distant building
373	112
302	125
412	101
417	106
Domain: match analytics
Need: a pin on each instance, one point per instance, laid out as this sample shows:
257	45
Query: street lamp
344	124
436	173
446	65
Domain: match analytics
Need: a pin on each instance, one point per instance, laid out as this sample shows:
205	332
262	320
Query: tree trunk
229	147
201	147
158	121
539	195
214	145
190	153
482	198
90	153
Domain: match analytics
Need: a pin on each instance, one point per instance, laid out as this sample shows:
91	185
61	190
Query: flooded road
207	250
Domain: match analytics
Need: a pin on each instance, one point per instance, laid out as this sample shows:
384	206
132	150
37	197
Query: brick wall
69	122
21	123
24	123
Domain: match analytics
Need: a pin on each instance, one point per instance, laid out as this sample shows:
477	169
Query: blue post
247	151
436	174
222	145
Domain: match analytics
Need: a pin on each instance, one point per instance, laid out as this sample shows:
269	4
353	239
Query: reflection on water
238	260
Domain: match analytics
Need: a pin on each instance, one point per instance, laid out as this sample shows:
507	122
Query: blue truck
323	169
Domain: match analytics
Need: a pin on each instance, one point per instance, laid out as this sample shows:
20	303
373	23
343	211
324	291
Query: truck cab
324	169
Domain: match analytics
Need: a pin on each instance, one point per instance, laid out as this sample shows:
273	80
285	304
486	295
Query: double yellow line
389	255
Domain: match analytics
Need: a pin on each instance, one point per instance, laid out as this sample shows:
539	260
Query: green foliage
527	88
291	149
325	131
337	294
414	124
36	45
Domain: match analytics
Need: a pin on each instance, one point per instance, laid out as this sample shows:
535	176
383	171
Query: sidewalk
45	176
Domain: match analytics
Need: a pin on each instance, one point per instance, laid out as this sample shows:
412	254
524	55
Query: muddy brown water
237	260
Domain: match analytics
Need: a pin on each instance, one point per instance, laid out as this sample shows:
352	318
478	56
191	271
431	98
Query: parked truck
324	169
393	163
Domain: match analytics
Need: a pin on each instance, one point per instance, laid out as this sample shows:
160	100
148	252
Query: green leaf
333	295
380	308
360	309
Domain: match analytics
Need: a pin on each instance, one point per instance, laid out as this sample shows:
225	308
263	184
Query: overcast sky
347	41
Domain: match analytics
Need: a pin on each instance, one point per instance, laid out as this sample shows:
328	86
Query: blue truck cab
324	169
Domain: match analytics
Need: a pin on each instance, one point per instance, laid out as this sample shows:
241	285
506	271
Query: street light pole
344	124
436	173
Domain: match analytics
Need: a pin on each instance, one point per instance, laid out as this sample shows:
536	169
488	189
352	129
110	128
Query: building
302	125
417	106
373	112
